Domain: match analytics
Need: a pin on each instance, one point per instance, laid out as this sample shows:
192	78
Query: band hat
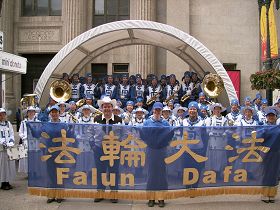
166	108
119	108
217	105
63	103
177	108
54	107
31	108
234	102
106	100
193	104
248	108
157	105
272	110
130	103
3	110
140	109
86	106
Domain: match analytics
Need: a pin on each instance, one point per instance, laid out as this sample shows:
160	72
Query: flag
273	32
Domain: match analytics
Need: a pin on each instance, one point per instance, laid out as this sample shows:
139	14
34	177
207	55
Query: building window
120	68
106	11
41	7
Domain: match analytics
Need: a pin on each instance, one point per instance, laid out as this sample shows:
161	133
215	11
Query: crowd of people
136	102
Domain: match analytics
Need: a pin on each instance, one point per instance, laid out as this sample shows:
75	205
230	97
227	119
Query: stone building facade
230	29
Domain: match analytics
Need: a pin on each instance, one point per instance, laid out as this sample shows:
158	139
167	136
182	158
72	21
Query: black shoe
10	186
114	200
271	200
265	201
151	203
50	200
96	200
59	200
161	203
6	187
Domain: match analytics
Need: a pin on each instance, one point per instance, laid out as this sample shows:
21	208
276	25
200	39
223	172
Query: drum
16	152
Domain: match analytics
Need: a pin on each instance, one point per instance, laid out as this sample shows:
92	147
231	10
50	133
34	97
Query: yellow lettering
80	178
209	177
186	176
127	179
112	179
241	175
94	176
227	172
61	173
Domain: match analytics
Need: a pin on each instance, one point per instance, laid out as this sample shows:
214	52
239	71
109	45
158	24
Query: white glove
211	134
10	144
189	92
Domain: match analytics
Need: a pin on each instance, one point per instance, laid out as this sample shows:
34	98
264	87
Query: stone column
74	15
145	54
7	26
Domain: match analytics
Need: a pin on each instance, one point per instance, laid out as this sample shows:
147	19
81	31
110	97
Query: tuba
212	85
27	100
60	90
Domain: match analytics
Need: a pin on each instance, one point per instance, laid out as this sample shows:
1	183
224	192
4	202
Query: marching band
183	104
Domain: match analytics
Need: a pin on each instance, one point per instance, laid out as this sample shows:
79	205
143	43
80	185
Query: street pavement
19	199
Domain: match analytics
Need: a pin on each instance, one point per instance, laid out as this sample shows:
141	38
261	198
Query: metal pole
268	62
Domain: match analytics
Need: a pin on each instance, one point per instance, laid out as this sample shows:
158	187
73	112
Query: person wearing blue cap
194	119
127	115
7	167
156	164
261	115
137	90
247	119
203	112
123	93
77	89
234	116
170	92
271	114
152	93
202	100
90	89
186	90
247	101
257	102
139	102
132	80
216	143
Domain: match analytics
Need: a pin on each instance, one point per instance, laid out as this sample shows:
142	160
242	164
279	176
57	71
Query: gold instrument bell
27	100
212	85
60	90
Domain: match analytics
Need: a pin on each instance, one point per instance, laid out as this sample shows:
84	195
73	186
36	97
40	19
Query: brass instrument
60	90
153	98
172	96
74	119
212	85
80	103
185	97
27	100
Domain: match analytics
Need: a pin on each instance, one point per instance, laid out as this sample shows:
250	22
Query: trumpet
172	96
185	97
153	98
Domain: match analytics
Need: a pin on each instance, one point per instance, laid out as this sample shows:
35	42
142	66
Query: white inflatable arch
92	43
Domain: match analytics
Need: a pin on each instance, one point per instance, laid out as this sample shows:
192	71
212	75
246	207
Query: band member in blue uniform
156	152
31	111
196	86
171	90
186	89
127	115
261	113
90	88
257	102
217	141
7	139
123	90
77	89
153	93
163	81
234	116
109	89
137	90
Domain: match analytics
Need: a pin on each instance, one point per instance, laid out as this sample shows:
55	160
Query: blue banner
87	160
